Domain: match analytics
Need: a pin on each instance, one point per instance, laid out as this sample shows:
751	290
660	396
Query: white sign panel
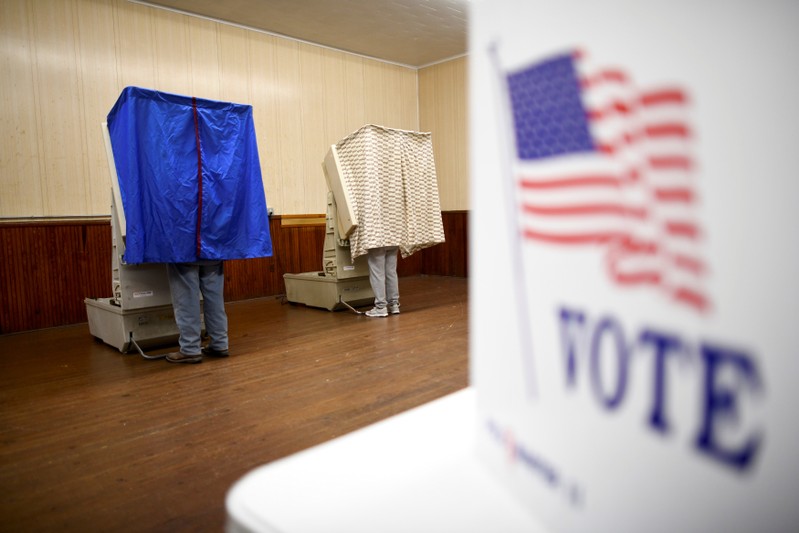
634	264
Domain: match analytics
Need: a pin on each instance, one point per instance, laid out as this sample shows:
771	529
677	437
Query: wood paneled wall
48	268
65	62
443	110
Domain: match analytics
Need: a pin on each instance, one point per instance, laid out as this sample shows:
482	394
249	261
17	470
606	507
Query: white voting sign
633	261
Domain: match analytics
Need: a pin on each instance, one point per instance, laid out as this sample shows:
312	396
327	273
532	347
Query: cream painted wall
64	63
443	110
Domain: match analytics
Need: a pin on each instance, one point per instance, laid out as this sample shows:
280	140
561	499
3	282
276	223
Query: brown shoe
180	357
214	353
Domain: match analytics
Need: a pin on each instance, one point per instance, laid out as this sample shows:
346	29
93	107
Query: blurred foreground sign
633	259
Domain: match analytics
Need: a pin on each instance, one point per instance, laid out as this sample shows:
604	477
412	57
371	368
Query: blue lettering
567	336
610	401
664	345
605	343
720	404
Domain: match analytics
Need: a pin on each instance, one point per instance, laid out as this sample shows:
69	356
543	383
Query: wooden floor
94	440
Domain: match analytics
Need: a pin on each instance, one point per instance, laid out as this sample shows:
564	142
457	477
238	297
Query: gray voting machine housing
139	314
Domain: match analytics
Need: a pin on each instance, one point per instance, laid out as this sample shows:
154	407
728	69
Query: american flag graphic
601	162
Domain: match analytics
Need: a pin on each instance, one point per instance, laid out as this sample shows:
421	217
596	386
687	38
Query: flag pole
505	125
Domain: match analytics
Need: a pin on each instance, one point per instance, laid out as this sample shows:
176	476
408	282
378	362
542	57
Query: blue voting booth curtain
190	178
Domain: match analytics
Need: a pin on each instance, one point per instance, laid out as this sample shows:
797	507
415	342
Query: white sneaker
393	309
375	312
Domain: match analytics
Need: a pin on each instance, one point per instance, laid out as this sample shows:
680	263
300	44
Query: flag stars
548	111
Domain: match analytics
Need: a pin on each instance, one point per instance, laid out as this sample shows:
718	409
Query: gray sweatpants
383	275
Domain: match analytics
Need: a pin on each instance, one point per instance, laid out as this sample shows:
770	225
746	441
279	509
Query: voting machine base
315	289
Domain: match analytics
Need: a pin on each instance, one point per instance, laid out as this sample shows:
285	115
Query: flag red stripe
587	209
637	278
572	238
608	149
674	194
682	229
656	131
647	99
588	180
638	246
615	107
579	181
651	131
692	264
670	162
667	129
692	298
603	76
624	139
663	96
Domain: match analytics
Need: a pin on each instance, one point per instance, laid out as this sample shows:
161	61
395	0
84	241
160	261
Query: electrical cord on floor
348	305
151	357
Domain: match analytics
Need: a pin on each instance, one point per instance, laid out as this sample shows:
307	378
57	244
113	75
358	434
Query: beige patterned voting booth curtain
390	176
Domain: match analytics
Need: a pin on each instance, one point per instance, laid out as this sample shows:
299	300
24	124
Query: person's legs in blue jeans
212	285
185	289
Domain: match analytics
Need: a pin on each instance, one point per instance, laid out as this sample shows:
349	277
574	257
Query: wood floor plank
93	440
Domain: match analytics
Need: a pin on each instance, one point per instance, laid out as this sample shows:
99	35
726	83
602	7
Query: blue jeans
383	275
186	282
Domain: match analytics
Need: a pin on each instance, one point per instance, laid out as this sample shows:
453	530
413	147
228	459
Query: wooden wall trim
55	221
48	268
303	220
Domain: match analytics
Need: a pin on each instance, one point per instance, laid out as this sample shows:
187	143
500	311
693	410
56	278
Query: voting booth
633	291
382	191
185	186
